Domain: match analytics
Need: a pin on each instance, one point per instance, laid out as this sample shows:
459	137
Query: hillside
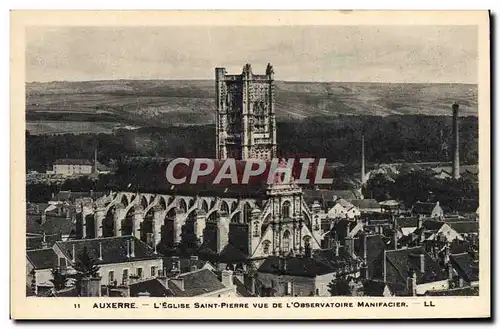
108	104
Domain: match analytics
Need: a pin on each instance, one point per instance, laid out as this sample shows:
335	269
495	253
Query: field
100	106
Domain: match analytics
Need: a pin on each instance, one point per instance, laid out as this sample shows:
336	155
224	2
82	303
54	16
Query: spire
363	175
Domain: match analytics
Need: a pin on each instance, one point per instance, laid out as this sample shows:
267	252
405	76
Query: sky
406	54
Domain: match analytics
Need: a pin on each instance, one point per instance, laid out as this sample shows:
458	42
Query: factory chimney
456	154
363	176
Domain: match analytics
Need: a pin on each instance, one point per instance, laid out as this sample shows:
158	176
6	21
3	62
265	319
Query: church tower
245	116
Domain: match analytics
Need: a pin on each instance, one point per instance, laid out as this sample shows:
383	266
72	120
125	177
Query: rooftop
42	258
196	283
114	249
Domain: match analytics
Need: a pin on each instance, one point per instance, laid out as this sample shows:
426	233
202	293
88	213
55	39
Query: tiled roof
432	225
465	266
73	162
465	227
407	222
58	225
241	289
407	261
154	287
114	249
196	283
374	288
424	208
375	247
366	204
32	224
295	266
42	258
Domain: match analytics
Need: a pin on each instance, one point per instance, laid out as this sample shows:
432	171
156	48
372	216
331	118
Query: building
428	209
72	167
306	276
366	206
343	209
245	119
118	258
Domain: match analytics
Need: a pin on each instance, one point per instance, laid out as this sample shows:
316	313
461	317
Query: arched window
224	207
265	247
307	239
256	229
247	213
286	241
285	209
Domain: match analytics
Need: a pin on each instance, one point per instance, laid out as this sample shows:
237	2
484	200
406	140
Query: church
229	223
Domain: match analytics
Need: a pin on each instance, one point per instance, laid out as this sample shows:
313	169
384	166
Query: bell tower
245	115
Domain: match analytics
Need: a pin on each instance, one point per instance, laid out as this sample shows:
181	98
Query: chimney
422	263
412	284
179	282
450	275
363	176
349	245
337	247
227	278
43	217
132	248
128	248
73	258
100	251
45	245
420	221
365	247
456	145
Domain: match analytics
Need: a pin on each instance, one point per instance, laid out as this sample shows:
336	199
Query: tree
340	286
59	278
85	267
378	187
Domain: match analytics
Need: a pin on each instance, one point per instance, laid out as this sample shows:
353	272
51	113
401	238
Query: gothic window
256	229
286	241
247	213
265	247
285	209
224	207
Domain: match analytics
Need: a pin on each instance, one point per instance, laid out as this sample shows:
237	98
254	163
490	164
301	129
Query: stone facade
245	118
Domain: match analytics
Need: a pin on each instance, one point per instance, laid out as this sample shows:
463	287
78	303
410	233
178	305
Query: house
72	167
306	276
119	258
428	209
367	206
343	209
412	271
433	230
465	270
202	283
39	263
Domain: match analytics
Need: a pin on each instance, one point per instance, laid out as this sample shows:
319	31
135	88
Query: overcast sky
333	53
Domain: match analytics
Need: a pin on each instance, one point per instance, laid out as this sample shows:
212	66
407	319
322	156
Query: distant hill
161	102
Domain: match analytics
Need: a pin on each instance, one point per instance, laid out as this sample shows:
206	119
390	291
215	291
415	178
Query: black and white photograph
254	161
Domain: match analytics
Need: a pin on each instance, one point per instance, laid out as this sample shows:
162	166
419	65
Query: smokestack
363	176
95	160
456	154
100	251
